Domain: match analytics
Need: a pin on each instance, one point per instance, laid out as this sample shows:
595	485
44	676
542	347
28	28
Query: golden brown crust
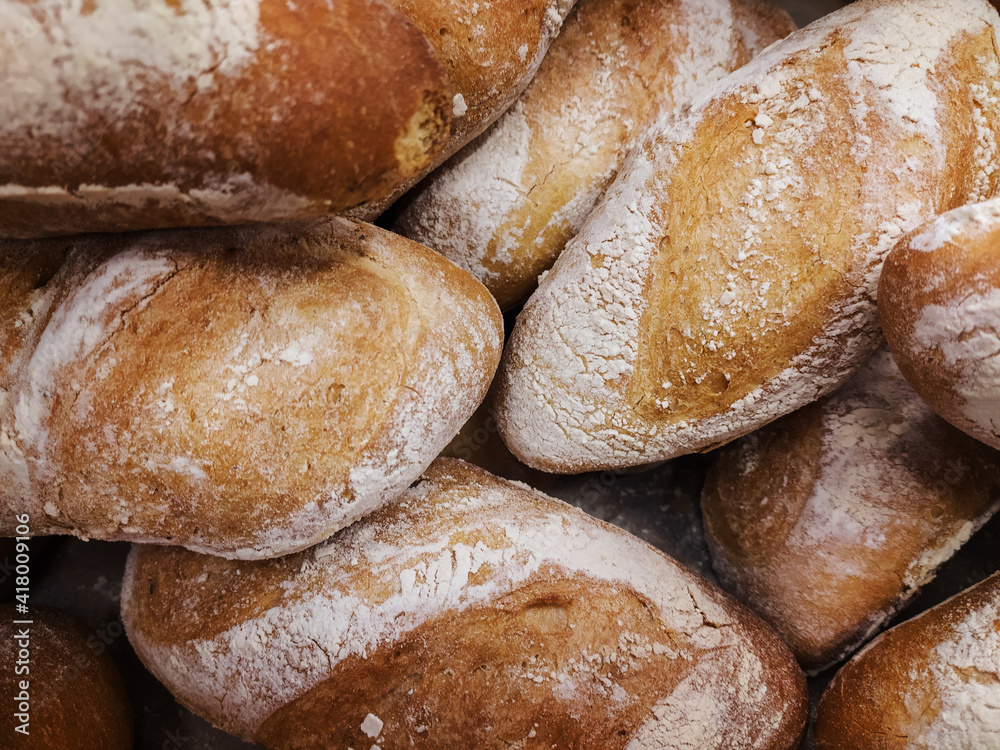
491	50
76	701
939	302
931	682
244	391
302	110
729	276
461	677
726	374
24	306
473	612
506	206
827	521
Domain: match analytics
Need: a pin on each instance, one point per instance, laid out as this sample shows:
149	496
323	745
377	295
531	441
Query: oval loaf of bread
729	275
75	698
471	613
491	51
121	114
829	520
939	302
505	206
930	683
244	392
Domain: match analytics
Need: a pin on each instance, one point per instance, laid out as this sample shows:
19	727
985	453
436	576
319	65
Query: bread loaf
120	114
491	50
506	205
472	612
242	392
61	688
939	303
931	683
829	520
729	275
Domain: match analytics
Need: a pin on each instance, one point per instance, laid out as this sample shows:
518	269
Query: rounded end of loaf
930	682
939	303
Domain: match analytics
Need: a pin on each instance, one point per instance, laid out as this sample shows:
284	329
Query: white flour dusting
967	333
443	374
471	209
260	664
976	217
79	326
116	49
576	345
966	679
880	465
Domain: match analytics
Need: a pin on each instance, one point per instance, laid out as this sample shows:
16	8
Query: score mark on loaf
505	206
245	392
729	275
471	613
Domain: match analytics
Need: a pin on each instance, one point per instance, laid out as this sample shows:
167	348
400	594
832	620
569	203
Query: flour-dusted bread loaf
505	206
121	114
829	520
59	685
729	275
491	50
939	302
243	392
931	683
471	613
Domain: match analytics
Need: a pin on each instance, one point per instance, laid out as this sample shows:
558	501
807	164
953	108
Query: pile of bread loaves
207	351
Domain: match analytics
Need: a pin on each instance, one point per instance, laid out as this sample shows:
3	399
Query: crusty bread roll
829	520
472	612
491	50
505	206
931	683
120	114
244	392
73	699
939	303
729	275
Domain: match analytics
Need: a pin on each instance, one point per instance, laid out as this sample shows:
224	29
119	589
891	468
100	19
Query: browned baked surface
932	682
472	612
76	697
506	205
939	304
729	276
245	392
829	520
203	112
491	50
